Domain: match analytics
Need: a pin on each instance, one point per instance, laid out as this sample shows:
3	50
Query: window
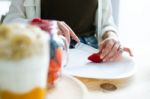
4	4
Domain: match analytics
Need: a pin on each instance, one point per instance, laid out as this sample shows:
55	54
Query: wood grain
94	84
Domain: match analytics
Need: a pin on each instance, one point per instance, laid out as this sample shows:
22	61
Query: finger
102	44
108	47
113	52
120	50
118	54
72	34
115	57
59	32
128	51
64	31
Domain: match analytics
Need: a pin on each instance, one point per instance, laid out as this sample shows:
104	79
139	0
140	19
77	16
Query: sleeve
107	18
16	12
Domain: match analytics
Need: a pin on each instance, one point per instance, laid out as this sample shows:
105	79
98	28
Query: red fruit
53	71
52	77
95	58
56	62
46	22
43	24
58	57
36	20
55	66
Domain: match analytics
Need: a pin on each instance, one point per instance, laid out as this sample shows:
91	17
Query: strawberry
95	57
36	20
43	24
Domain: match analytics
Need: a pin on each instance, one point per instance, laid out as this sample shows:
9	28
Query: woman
76	18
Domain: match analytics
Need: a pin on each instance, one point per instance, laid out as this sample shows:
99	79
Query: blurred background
4	7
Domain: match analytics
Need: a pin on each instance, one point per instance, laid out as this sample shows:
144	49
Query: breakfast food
24	60
43	24
95	57
55	62
56	45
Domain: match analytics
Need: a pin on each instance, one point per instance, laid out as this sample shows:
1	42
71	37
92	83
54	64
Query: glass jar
24	61
58	54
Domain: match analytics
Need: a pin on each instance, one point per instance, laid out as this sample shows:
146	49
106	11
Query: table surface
137	86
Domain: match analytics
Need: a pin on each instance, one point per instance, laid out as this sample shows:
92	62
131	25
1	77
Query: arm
110	46
16	12
108	26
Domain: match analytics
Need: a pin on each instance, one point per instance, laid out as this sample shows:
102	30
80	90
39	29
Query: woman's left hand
67	32
111	48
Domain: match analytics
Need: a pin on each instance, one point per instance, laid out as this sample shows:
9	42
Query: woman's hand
67	32
48	25
111	48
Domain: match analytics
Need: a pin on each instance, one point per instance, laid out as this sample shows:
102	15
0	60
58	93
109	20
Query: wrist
109	34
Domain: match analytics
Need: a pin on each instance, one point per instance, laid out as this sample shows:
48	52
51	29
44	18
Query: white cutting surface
80	66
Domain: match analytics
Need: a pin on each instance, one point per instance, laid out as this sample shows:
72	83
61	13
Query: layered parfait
24	59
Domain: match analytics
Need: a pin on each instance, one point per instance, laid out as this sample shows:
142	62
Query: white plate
68	88
80	66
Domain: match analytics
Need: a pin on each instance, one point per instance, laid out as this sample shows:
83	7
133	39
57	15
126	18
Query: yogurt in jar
24	60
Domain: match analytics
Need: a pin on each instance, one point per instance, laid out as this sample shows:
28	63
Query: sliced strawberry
95	58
